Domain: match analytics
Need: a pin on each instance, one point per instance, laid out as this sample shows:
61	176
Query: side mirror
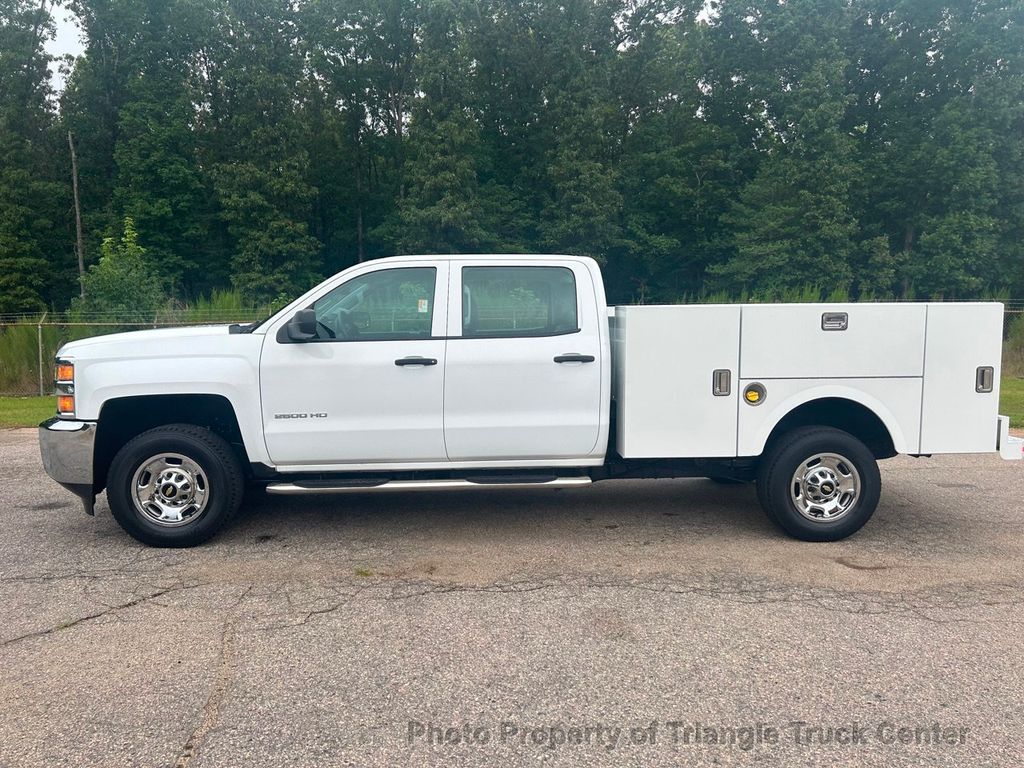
302	326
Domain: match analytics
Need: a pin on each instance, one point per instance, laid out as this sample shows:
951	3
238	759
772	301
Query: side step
319	486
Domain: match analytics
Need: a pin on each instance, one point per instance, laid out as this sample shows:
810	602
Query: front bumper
67	451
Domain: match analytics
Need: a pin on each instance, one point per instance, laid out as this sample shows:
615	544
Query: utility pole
39	346
79	245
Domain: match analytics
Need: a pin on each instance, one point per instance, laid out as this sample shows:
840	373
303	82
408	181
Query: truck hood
130	344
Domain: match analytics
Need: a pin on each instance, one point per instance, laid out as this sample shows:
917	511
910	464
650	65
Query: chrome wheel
170	489
825	487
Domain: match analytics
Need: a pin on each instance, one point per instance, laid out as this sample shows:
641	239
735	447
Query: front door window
387	305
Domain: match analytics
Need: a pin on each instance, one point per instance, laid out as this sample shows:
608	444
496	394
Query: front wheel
174	486
819	484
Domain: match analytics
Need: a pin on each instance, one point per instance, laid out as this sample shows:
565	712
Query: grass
25	411
1011	400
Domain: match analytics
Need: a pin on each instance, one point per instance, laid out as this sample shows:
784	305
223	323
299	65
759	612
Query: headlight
64	378
65	373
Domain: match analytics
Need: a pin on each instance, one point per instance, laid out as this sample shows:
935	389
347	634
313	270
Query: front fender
235	378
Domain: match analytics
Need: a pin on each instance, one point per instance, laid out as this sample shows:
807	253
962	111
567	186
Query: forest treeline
874	147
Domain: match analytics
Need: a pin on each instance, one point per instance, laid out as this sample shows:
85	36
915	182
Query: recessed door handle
984	378
574	358
416	361
721	382
835	321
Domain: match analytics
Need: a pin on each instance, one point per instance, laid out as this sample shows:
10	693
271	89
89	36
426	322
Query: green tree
90	106
26	219
441	210
581	208
793	223
32	251
257	149
123	283
582	215
158	175
939	111
679	169
748	146
362	55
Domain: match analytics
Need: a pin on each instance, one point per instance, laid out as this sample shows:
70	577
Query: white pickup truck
455	372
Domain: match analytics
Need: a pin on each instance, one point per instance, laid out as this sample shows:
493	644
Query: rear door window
507	302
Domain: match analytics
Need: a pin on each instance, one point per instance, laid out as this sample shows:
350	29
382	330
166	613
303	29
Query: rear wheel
174	486
819	484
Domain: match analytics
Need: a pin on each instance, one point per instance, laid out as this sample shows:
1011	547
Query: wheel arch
123	418
860	415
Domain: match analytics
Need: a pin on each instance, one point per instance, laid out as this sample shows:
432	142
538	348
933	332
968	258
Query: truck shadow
634	530
696	505
620	529
634	511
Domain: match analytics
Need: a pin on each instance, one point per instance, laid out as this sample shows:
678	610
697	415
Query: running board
362	486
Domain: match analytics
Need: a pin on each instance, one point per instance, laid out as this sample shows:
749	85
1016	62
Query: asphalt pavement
660	622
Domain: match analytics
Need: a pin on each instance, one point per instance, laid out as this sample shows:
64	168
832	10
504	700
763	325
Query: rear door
523	365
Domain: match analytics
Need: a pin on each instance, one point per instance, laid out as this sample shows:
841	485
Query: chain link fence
29	344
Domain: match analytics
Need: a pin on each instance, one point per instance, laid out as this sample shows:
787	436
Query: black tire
776	486
220	478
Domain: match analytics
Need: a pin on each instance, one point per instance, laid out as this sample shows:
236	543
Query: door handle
721	382
983	378
574	358
416	361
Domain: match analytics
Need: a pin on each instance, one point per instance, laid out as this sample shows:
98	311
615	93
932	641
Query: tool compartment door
956	418
809	341
665	362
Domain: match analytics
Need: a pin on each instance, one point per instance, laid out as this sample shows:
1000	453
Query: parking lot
631	623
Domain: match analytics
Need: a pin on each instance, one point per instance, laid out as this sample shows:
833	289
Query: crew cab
421	373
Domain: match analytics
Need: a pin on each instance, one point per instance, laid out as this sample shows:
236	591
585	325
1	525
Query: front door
523	371
370	387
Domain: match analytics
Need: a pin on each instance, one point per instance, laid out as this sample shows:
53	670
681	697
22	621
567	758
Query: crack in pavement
226	673
107	610
925	604
126	568
921	604
221	685
317	612
917	604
